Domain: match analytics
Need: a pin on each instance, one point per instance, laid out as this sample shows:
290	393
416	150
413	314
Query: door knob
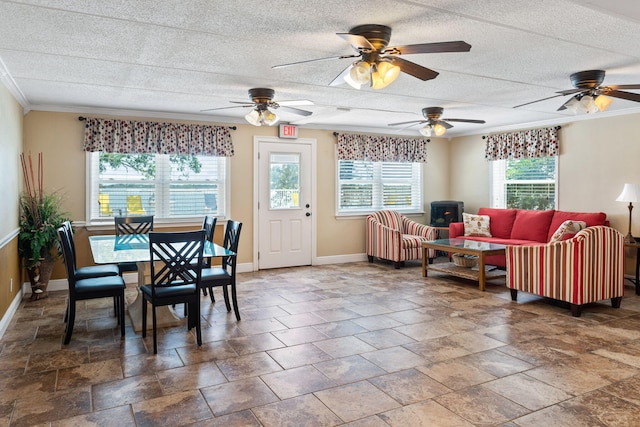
308	214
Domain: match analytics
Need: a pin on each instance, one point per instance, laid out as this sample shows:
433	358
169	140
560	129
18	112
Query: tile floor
353	344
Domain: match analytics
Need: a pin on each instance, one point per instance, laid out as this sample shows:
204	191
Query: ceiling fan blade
315	60
616	87
443	123
297	111
339	79
538	100
409	122
248	104
569	91
624	95
296	102
458	46
413	69
226	108
466	121
356	41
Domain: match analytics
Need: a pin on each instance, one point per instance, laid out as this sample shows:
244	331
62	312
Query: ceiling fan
434	124
379	65
264	106
590	96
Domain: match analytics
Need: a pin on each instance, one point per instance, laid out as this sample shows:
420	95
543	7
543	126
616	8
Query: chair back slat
133	224
180	258
231	241
209	227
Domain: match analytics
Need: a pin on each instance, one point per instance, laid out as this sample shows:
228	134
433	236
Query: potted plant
41	215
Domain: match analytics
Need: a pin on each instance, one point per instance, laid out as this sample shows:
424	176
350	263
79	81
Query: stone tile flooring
352	344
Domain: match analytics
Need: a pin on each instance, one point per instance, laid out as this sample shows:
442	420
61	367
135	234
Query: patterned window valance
523	144
130	136
381	148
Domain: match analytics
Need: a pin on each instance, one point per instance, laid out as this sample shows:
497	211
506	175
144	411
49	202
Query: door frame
257	140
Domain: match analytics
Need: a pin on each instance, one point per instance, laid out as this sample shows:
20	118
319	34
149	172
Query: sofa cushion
568	228
532	225
501	221
476	225
590	218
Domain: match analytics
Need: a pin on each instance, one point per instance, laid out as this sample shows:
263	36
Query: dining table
112	249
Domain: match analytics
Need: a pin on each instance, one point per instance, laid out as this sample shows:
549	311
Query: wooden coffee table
466	247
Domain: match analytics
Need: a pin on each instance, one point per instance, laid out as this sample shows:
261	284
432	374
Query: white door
285	202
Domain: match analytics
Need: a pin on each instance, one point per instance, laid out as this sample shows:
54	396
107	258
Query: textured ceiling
175	58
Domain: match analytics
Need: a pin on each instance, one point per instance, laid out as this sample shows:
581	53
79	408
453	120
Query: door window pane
284	181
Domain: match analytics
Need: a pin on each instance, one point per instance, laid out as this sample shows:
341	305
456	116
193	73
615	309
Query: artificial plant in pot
40	216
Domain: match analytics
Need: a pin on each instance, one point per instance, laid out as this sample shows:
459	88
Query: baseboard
11	311
339	259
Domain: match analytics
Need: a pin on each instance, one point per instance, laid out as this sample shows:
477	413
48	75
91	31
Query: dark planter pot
39	277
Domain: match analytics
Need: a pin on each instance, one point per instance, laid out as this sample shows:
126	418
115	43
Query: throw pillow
567	227
476	225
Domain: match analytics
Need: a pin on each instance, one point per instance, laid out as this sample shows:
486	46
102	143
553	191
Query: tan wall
10	184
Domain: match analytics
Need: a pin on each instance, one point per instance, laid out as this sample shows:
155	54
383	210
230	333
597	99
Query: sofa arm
589	267
456	229
410	226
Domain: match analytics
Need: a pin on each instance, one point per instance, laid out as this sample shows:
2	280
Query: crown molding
11	85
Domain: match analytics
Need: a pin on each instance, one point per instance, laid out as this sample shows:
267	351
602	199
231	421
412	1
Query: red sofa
524	227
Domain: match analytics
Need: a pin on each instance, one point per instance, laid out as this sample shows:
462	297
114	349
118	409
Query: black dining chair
88	271
225	275
131	225
175	277
88	287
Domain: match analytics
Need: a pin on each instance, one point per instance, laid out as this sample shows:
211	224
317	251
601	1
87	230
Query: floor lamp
630	193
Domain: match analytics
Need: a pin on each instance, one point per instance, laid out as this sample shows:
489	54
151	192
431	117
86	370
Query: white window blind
166	186
528	183
365	186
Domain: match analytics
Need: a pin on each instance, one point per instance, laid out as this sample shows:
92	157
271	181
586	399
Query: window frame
502	164
378	182
161	184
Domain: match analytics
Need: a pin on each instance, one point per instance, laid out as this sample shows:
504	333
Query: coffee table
466	247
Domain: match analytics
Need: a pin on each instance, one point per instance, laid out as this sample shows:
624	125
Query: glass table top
467	244
111	249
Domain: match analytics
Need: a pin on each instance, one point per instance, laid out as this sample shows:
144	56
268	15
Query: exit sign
288	131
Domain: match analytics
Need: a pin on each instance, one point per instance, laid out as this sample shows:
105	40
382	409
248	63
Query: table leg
165	316
424	262
481	272
637	271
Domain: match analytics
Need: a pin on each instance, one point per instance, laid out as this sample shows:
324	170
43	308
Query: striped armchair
394	237
586	268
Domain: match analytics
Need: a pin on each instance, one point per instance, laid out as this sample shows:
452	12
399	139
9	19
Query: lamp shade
630	193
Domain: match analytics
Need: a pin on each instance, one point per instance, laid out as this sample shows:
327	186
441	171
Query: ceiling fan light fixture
603	102
253	118
588	104
269	118
360	72
426	131
384	74
439	130
261	118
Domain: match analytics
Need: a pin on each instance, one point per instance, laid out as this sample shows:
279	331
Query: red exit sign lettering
288	131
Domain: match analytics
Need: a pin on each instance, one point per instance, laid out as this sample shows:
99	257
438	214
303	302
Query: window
167	186
524	183
365	186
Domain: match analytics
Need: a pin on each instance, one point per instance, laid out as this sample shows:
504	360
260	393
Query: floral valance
381	148
542	142
130	136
